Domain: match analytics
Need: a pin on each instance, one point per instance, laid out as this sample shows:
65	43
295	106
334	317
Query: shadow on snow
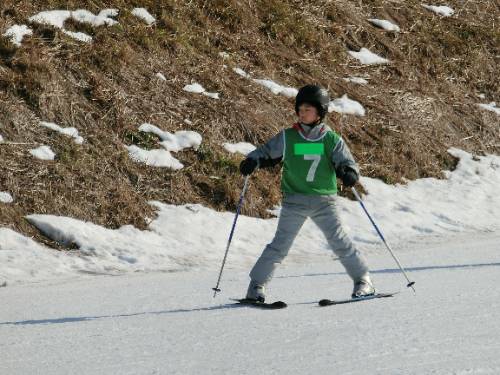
90	318
396	270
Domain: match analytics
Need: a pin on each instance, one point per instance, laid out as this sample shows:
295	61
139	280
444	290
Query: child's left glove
348	175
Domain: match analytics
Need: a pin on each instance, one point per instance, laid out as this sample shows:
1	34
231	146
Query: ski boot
363	288
256	292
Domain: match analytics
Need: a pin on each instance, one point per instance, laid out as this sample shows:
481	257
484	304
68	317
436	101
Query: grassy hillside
418	106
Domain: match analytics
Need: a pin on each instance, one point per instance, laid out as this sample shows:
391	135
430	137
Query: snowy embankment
192	236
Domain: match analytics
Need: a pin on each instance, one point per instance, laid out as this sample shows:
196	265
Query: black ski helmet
314	95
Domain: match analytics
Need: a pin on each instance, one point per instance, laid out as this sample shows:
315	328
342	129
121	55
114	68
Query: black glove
269	163
348	175
247	166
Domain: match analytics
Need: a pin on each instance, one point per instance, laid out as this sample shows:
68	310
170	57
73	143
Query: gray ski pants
322	210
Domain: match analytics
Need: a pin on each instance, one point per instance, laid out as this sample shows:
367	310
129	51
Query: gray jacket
271	153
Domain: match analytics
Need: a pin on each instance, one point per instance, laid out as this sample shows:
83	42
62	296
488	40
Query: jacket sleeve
271	153
342	157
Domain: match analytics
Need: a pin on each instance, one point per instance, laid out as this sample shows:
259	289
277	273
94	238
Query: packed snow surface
5	197
243	148
16	33
442	10
169	323
43	153
366	57
144	15
346	106
70	132
385	24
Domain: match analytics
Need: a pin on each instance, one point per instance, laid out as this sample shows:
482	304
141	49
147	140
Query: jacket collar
311	133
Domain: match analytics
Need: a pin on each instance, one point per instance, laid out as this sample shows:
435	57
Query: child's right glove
247	166
348	175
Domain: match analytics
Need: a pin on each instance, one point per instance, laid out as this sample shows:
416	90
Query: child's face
308	114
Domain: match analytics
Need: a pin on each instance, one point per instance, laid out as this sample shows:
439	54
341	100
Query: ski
262	305
329	302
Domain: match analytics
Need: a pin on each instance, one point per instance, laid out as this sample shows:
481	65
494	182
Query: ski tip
264	305
279	304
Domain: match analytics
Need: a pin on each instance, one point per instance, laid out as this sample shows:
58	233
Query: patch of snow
366	57
25	260
57	18
444	11
161	76
70	132
188	121
84	16
276	88
385	24
43	153
481	96
174	142
143	14
346	106
243	148
357	80
16	33
54	18
108	13
154	158
1	138
196	88
490	107
241	72
5	197
224	55
213	95
82	37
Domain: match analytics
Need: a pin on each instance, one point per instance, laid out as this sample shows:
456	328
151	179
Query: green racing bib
307	166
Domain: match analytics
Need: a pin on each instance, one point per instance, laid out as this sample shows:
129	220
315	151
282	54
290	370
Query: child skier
313	156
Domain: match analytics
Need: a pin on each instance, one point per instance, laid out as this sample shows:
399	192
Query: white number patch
312	171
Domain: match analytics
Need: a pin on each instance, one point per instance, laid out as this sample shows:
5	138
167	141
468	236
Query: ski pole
410	283
240	203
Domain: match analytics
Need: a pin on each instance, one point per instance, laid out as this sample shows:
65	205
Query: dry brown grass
418	106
